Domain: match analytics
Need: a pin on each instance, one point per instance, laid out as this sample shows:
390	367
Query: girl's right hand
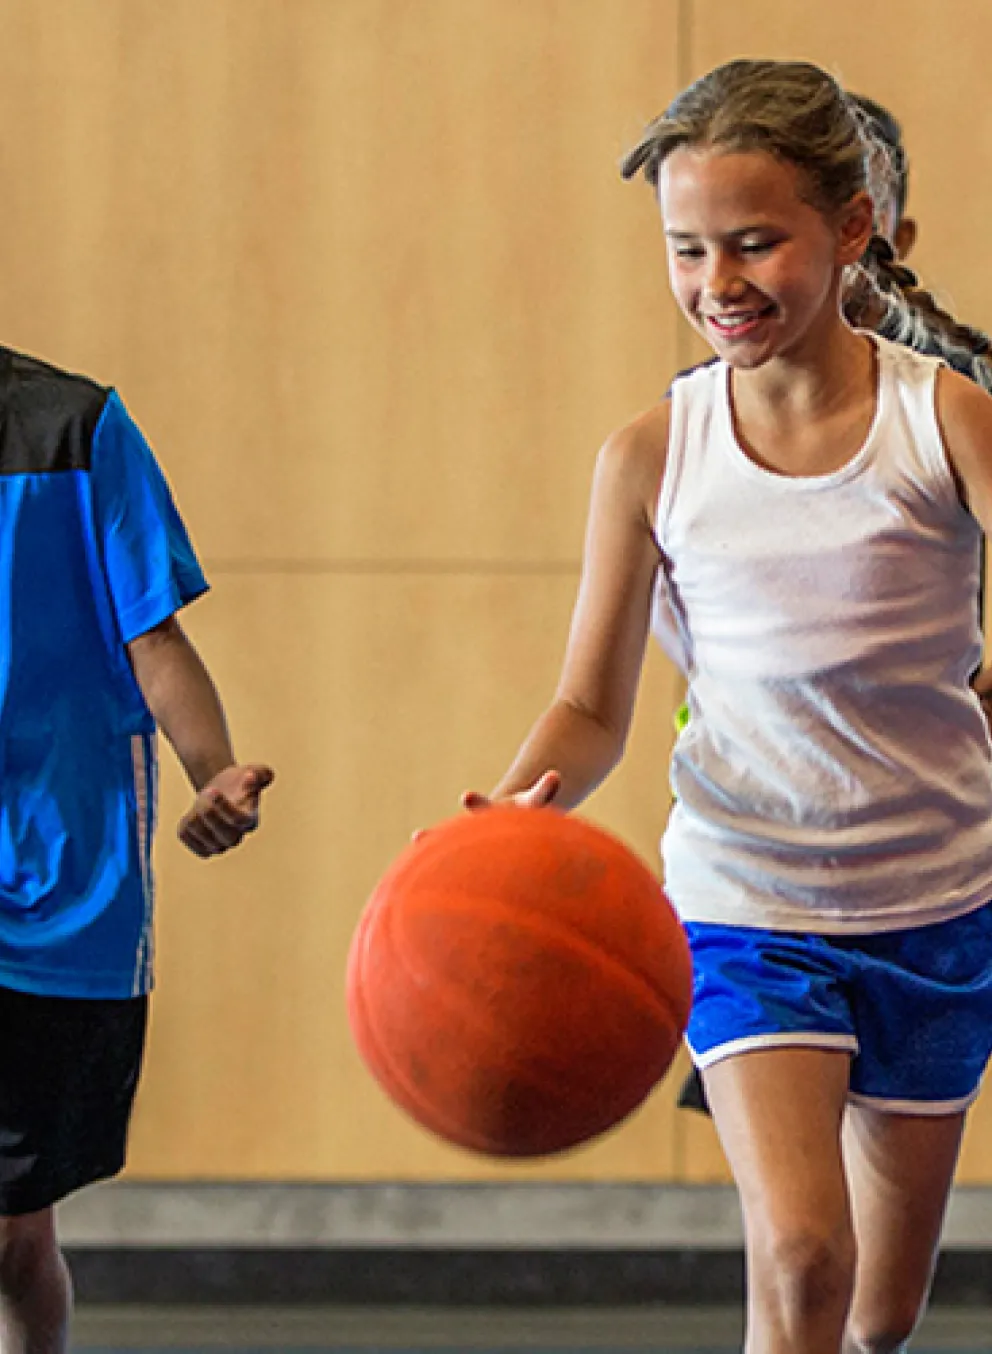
537	796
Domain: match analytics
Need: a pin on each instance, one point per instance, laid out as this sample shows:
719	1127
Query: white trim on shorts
930	1108
847	1043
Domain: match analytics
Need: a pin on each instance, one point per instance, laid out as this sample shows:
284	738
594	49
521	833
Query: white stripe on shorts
930	1108
784	1039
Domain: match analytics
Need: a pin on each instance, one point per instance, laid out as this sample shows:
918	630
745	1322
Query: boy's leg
779	1113
69	1069
900	1168
35	1288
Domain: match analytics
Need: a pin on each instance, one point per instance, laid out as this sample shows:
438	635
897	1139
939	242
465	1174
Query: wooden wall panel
975	1164
365	269
366	274
379	699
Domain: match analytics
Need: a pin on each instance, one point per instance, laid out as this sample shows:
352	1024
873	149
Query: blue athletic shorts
913	1008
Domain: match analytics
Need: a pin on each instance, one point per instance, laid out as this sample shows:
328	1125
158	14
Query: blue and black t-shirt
92	554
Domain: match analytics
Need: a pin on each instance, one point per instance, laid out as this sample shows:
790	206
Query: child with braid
814	501
890	191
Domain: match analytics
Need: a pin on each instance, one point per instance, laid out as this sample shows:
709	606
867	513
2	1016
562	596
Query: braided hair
886	130
884	295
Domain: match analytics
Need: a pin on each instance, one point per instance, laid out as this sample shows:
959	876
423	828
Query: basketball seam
501	814
615	964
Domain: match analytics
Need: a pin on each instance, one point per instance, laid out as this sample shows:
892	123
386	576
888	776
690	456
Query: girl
812	505
865	309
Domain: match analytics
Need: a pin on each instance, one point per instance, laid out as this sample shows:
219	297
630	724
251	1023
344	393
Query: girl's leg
779	1113
900	1168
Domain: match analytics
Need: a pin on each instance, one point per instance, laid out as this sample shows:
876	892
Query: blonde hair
799	114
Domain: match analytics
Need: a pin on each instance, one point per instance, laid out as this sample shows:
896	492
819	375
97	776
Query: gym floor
399	1330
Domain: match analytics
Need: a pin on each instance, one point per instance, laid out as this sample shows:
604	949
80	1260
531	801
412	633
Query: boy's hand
225	810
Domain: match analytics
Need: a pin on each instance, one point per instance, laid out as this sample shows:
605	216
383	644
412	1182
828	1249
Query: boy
95	565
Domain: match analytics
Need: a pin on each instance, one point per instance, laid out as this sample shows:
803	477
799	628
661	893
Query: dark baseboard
448	1277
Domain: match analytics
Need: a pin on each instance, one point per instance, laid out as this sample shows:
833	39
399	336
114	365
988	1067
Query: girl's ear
857	225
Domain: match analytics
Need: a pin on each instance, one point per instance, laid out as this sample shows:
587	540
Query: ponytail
884	295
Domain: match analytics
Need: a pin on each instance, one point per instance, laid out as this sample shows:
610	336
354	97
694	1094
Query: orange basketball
518	981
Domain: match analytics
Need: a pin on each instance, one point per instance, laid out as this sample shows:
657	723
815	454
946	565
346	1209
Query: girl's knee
806	1272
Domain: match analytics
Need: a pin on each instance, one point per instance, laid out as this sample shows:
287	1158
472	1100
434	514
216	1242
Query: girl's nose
723	284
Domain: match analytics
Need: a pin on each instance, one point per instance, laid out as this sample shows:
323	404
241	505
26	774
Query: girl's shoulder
632	459
641	441
964	416
635	455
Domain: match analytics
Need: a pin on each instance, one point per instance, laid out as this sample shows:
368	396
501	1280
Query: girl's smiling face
753	265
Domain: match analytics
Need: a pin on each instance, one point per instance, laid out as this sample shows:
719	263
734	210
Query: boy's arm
185	703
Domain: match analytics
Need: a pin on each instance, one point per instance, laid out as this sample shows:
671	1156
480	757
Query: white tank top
836	772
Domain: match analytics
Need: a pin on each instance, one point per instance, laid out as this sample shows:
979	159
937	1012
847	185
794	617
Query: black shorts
69	1069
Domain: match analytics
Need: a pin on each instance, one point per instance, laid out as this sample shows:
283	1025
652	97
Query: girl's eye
688	251
757	246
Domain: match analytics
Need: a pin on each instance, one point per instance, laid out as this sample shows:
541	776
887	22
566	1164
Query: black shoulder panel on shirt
47	416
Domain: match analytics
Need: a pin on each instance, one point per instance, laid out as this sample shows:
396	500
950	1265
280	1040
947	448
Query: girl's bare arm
578	740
